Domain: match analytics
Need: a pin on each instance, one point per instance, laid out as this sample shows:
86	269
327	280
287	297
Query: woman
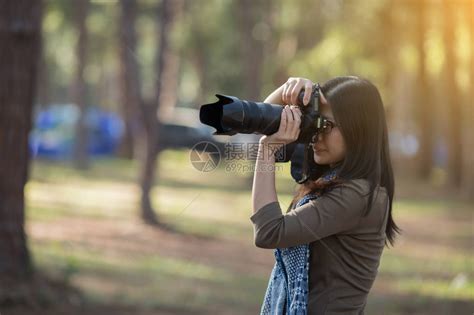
329	243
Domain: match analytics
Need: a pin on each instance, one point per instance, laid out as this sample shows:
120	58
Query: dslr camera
230	115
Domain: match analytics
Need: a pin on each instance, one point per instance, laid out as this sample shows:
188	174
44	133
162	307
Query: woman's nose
320	136
317	137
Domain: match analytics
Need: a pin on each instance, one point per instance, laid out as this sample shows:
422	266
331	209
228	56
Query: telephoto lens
230	115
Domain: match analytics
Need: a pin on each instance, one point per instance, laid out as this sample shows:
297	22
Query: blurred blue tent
53	133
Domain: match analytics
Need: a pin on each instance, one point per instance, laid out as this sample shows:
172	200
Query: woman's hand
291	115
289	129
287	94
292	88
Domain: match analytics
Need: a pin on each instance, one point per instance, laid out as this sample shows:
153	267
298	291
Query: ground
96	257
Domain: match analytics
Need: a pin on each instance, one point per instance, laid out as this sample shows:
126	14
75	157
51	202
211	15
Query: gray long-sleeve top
345	246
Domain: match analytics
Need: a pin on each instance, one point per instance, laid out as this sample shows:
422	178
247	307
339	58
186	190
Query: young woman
329	242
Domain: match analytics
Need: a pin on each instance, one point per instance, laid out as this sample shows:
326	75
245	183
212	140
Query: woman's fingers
296	90
292	114
287	123
308	89
286	96
292	89
283	93
289	128
296	122
290	120
284	120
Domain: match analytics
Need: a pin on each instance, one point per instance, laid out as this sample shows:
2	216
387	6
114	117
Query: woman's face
330	148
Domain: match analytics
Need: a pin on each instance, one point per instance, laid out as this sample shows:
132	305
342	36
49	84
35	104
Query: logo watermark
239	157
239	167
205	156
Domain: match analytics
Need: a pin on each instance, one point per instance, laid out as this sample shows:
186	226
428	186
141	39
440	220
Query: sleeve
336	211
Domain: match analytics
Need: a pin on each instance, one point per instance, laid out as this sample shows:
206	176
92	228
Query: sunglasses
326	128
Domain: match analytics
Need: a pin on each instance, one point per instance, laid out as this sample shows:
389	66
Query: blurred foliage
316	39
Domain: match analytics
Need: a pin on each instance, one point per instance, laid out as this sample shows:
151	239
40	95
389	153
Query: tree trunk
453	108
386	51
388	55
168	96
43	82
198	59
130	81
148	161
468	146
166	14
424	105
251	27
80	149
249	14
20	39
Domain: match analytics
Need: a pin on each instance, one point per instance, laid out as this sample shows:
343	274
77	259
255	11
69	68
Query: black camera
230	115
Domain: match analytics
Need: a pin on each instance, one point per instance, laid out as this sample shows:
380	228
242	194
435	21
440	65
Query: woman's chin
319	160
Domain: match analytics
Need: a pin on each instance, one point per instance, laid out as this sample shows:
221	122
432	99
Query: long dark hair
358	109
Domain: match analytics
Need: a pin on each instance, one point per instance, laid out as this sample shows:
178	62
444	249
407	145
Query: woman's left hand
289	129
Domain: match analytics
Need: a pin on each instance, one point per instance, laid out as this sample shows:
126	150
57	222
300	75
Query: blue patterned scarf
287	291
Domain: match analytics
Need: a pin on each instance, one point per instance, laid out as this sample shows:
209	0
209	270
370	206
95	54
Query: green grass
147	280
438	288
406	264
432	259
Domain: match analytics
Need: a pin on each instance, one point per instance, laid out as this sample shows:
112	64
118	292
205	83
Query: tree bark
394	78
130	81
79	89
166	15
43	82
253	20
249	13
424	106
168	96
453	108
468	147
20	39
198	59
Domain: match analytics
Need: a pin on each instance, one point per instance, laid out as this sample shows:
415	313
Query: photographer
329	242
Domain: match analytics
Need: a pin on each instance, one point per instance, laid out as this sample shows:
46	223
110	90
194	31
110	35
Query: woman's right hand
288	130
292	88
